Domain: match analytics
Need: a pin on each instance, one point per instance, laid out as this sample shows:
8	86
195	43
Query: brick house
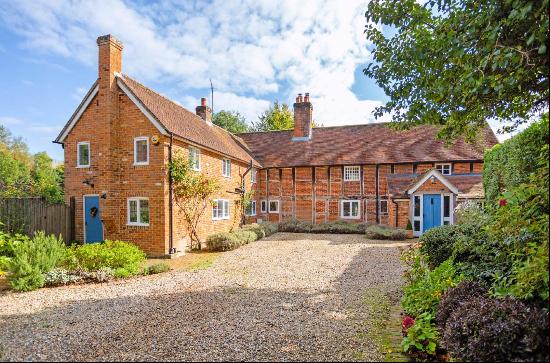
119	140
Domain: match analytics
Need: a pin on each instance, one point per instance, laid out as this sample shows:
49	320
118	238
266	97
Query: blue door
92	220
432	211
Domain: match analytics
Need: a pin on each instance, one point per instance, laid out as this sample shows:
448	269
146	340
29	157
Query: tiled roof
185	124
361	144
469	185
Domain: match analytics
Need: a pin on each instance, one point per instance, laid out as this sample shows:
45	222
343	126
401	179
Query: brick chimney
303	117
203	111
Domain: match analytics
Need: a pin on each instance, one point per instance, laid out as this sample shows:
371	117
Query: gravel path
287	297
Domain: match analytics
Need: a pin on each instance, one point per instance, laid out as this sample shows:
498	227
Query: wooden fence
29	215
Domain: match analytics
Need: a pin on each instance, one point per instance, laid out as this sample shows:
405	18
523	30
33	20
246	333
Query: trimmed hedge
384	232
227	241
509	164
340	227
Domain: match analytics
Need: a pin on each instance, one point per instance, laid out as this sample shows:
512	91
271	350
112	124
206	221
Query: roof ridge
322	127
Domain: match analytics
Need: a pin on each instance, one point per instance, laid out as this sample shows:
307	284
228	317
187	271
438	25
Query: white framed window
253	175
141	150
226	168
444	169
220	209
263	206
352	173
83	154
138	211
273	206
350	209
251	208
195	158
383	206
447	208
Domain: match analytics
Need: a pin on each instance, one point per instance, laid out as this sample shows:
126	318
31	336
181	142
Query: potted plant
409	229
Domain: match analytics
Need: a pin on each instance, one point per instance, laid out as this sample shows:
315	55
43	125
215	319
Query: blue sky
254	51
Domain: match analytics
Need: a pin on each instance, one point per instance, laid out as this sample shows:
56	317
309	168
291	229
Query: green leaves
277	117
423	335
232	121
459	63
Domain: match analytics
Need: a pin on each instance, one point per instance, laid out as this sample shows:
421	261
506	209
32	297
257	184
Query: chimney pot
203	111
306	97
203	101
300	100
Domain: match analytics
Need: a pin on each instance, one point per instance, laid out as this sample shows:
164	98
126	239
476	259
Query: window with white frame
141	150
83	154
138	211
226	168
253	175
444	169
383	206
263	206
251	208
220	209
195	158
352	173
273	206
416	213
446	209
350	209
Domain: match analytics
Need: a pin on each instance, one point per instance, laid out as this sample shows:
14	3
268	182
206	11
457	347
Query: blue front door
432	211
92	220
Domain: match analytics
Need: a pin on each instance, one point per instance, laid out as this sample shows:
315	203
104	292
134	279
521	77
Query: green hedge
385	233
509	164
226	241
341	227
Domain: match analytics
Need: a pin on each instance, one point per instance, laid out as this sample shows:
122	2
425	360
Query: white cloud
79	93
253	50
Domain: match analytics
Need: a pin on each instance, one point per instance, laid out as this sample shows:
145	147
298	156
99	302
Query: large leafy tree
232	121
458	63
23	174
276	117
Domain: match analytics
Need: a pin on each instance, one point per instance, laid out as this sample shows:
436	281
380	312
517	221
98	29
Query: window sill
221	219
141	164
83	166
226	176
137	224
342	217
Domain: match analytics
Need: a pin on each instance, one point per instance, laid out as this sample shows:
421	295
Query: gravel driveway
286	297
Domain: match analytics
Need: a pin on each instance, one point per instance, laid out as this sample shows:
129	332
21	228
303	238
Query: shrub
33	258
4	263
122	273
384	232
424	293
421	337
8	242
224	241
112	254
59	276
488	329
156	269
341	227
455	297
437	243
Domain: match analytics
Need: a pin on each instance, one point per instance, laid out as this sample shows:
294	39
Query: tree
458	63
277	117
192	191
232	121
26	175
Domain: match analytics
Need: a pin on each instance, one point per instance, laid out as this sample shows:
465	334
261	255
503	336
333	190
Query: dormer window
444	169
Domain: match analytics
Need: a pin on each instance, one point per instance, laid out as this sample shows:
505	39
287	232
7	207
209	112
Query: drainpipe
171	249
396	213
377	195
